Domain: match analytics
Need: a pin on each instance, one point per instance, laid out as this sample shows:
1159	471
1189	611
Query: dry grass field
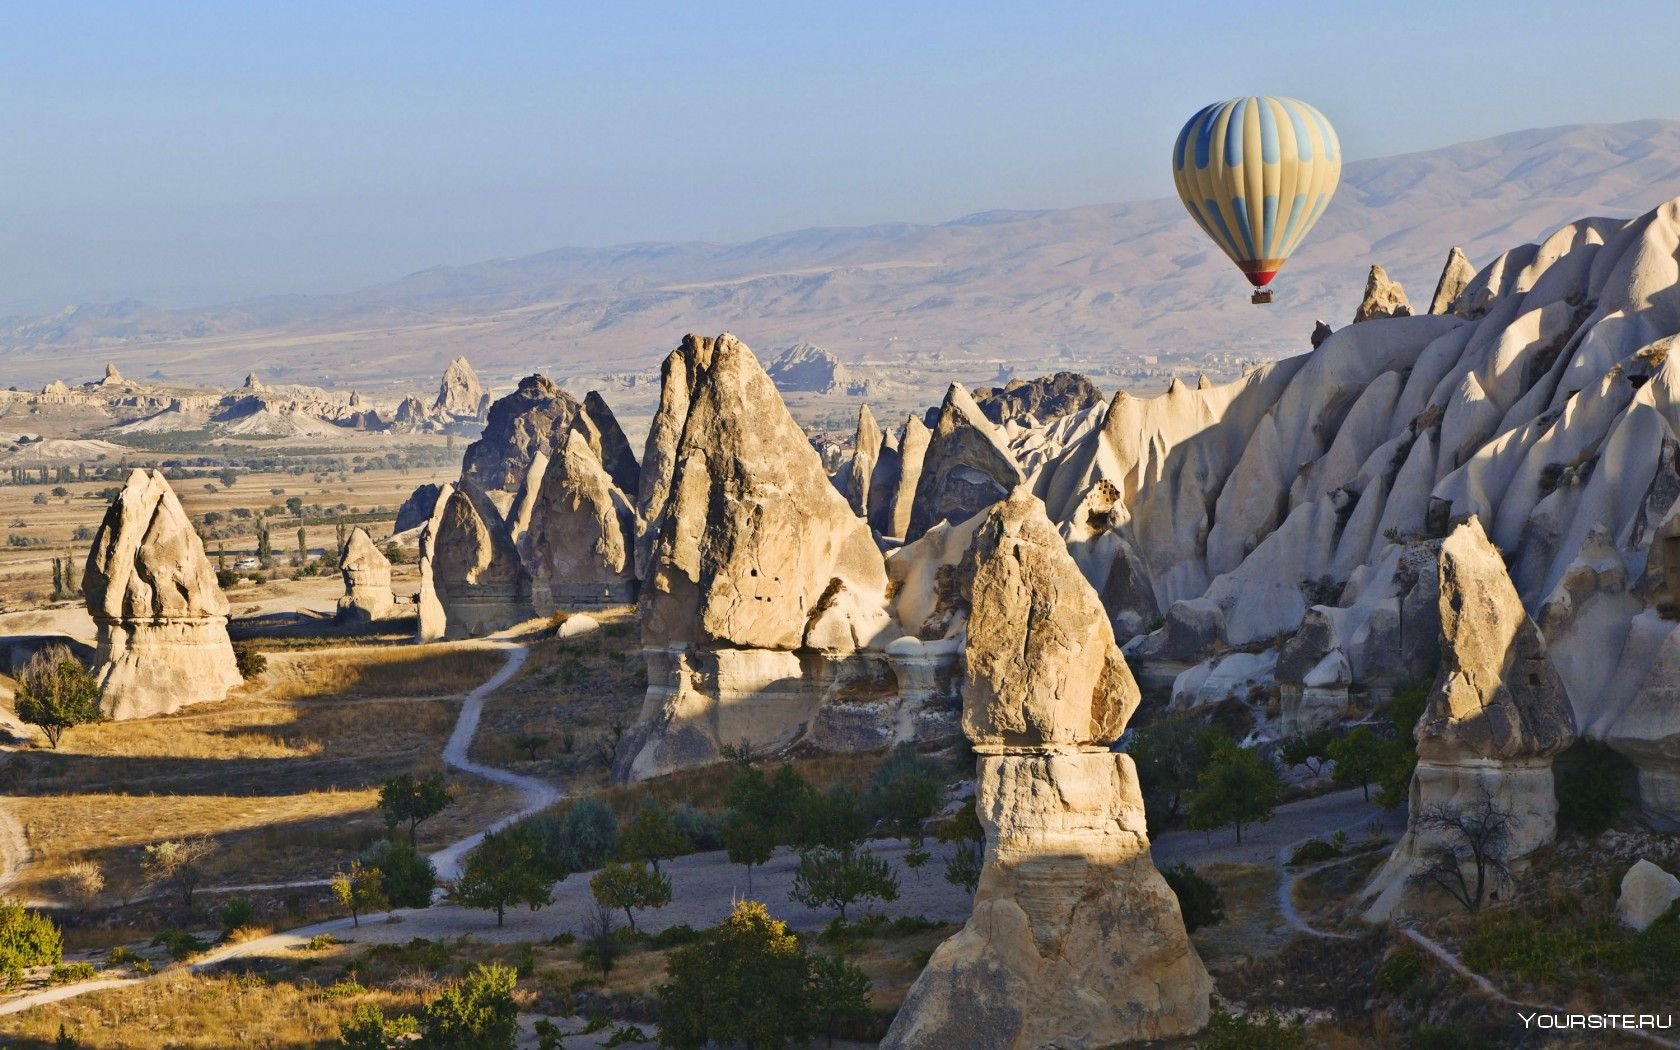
283	776
64	524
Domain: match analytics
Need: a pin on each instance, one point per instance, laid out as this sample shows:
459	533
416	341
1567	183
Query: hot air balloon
1256	173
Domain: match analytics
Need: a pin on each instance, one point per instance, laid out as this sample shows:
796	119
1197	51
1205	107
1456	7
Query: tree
601	946
27	938
227	477
1473	836
359	889
1310	750
55	692
1404	711
1361	757
265	547
837	878
652	835
506	868
580	839
530	743
1169	756
904	792
748	982
1199	901
835	820
409	876
964	829
294	505
404	799
477	1014
839	992
177	865
747	842
303	546
1238	787
626	886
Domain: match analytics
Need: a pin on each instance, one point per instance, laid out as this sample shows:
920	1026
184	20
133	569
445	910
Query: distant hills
1090	285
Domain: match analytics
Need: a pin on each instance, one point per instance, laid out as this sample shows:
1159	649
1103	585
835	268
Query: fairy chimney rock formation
162	619
866	452
459	393
516	428
761	585
1456	276
1076	940
433	620
367	580
1497	715
581	533
967	466
1383	298
475	570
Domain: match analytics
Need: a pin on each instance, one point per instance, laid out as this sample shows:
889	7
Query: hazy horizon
187	155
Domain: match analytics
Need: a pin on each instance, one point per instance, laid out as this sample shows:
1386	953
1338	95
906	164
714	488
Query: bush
27	939
236	913
368	1029
409	876
1401	971
226	578
477	1014
702	830
71	973
580	838
180	944
1594	783
1198	899
1312	851
82	883
675	936
251	662
748	983
1266	1032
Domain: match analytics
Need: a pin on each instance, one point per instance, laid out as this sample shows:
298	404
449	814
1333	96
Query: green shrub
904	792
70	973
1266	1032
180	944
368	1029
409	876
27	939
1594	783
1401	971
251	662
236	913
320	942
581	838
477	1014
1312	851
1198	899
626	1035
121	956
675	936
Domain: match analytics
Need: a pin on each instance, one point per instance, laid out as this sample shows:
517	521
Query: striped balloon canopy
1256	173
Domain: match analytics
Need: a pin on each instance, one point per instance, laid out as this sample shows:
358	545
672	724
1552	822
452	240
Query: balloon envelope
1256	174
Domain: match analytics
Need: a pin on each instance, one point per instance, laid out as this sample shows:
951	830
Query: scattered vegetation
1198	899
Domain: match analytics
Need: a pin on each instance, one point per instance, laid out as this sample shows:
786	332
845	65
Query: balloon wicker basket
1261	295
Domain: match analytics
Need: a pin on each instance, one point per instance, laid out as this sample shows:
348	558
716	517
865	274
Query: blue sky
186	153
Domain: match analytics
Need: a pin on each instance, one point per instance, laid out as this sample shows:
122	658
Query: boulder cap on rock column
1043	668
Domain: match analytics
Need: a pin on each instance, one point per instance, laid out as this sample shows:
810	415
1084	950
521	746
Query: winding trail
536	796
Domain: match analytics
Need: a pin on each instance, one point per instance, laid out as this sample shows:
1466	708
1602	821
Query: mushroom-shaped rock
161	618
1496	717
367	579
1043	668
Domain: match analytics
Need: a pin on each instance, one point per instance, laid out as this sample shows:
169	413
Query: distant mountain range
1102	283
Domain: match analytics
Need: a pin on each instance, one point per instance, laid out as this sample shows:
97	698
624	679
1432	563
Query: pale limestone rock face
532	419
764	591
434	622
1075	940
162	619
1496	717
367	579
866	453
967	466
1456	276
476	570
460	393
912	453
606	439
1647	894
1383	298
581	534
1042	664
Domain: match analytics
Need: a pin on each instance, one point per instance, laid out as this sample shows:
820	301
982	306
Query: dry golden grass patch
182	1010
284	779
